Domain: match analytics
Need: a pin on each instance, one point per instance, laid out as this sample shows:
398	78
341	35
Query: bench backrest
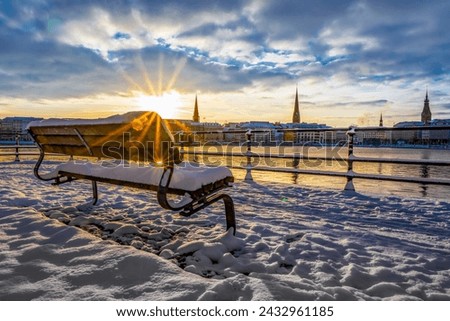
136	136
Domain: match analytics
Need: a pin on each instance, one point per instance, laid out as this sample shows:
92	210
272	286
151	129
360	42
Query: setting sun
166	104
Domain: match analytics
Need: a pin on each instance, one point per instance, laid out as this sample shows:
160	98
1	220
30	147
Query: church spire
426	112
381	119
196	117
296	115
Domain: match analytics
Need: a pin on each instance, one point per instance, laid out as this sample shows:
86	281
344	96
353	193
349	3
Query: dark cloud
445	106
379	102
402	7
193	76
195	7
413	37
290	19
44	69
363	42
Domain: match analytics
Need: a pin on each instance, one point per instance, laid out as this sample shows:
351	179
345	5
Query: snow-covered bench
136	150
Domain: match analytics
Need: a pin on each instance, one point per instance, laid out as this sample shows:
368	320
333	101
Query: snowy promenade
292	243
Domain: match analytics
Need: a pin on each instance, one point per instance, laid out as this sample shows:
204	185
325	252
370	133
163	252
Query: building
439	137
196	116
296	114
408	135
422	136
185	130
269	133
12	126
426	112
301	136
304	137
374	136
262	132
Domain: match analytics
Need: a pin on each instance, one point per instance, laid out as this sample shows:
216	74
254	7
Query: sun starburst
155	95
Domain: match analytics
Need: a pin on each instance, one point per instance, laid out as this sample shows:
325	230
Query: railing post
17	159
180	139
181	149
248	175
351	135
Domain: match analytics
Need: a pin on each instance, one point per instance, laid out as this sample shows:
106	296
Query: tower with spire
296	115
426	112
196	116
381	119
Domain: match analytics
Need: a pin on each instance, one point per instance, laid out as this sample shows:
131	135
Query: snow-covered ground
292	243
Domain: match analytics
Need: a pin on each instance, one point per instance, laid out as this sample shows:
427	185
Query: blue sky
351	59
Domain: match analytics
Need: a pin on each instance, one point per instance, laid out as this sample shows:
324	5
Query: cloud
356	52
293	19
380	102
36	69
446	107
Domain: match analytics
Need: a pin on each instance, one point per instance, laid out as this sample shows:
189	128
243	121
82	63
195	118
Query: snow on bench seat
185	176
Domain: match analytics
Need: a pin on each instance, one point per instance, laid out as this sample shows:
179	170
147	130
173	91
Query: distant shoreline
259	144
406	146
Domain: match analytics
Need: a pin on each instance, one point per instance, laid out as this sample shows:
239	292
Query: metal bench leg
163	187
229	209
229	212
38	164
195	206
94	193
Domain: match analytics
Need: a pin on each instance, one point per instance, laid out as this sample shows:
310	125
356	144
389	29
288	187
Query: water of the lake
338	183
361	185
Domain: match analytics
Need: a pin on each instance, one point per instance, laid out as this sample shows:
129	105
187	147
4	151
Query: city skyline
426	118
351	61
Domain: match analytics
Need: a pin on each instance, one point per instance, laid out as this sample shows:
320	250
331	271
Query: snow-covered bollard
248	175
17	159
349	185
181	140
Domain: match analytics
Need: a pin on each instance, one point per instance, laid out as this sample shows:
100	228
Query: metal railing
17	146
350	159
349	174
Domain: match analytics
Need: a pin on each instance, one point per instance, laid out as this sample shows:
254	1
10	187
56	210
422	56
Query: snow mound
324	247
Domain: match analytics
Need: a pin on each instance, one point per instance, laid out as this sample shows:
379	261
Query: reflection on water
425	173
380	168
361	185
295	163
